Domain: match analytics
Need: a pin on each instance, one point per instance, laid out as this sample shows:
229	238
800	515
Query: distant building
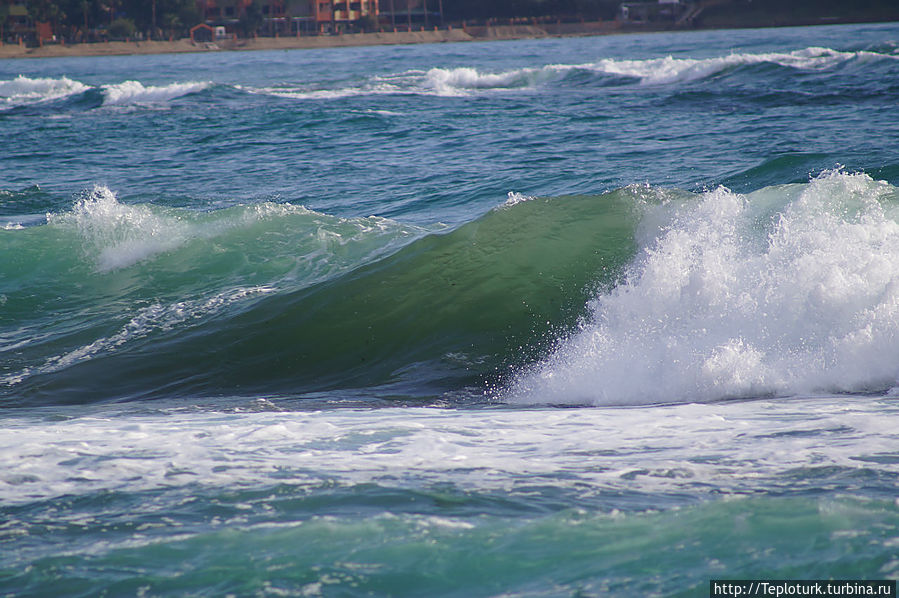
653	11
287	17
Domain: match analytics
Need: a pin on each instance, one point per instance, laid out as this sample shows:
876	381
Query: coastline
121	48
450	34
467	34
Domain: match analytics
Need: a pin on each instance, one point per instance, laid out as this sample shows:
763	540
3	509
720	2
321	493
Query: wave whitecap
26	91
131	93
453	81
464	80
665	70
677	70
23	91
789	290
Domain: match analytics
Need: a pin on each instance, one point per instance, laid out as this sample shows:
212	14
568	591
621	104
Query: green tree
122	28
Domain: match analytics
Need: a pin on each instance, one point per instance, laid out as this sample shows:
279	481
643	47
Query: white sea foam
24	90
676	70
135	93
118	235
514	198
436	81
725	448
664	70
306	92
789	290
462	81
457	81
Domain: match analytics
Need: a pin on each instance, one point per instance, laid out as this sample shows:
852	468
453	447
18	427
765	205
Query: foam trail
132	93
23	91
786	291
154	318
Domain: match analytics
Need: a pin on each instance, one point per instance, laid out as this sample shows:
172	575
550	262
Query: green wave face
120	302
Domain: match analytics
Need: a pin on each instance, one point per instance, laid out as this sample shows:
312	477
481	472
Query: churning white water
788	290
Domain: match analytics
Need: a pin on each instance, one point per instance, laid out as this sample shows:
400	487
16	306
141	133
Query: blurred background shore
44	28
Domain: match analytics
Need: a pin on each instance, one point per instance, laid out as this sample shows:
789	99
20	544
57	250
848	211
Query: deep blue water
307	322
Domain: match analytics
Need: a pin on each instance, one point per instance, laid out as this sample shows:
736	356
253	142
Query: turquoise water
604	316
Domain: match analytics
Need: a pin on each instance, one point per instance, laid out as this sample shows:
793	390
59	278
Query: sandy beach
449	34
117	48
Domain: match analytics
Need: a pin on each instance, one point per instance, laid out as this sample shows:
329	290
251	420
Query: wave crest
23	91
132	93
788	290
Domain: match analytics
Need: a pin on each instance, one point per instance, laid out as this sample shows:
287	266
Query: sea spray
26	90
787	290
117	235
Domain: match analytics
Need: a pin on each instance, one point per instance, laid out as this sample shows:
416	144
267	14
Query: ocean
596	316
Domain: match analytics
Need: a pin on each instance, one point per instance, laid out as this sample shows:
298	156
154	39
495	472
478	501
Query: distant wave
23	91
26	91
677	70
441	81
664	70
435	81
792	289
136	93
462	81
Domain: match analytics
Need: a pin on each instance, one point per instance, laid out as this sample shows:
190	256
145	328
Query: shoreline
121	48
467	34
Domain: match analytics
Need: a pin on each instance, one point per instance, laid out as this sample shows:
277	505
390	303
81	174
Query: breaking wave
654	71
788	290
442	81
461	81
136	93
23	91
639	295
